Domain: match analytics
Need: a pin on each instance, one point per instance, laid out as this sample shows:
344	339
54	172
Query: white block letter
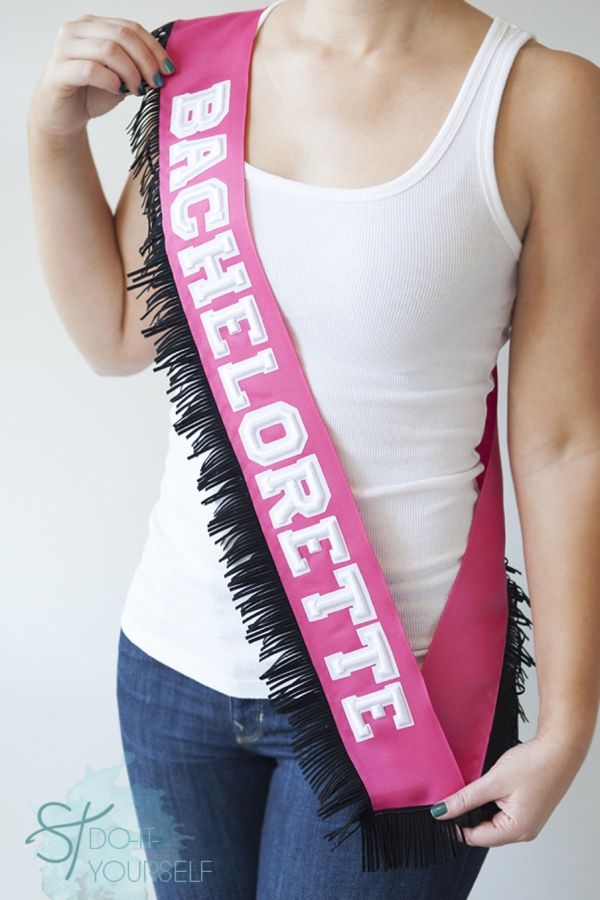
200	110
216	215
232	373
199	155
353	595
291	443
288	480
376	654
311	537
390	695
230	317
208	256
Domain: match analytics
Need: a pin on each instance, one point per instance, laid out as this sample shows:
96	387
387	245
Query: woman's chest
344	129
400	283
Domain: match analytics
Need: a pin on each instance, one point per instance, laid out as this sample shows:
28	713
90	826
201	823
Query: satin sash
413	736
436	721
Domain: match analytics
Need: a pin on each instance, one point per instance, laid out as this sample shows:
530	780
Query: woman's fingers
501	829
127	48
87	73
478	792
165	64
526	783
109	54
94	61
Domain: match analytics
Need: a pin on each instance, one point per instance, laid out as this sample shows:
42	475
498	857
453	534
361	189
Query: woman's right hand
91	57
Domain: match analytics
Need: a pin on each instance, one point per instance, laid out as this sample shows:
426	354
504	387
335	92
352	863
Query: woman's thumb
472	795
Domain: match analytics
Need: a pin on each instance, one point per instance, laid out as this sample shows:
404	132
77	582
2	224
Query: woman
487	196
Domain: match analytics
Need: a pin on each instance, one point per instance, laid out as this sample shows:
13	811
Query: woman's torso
426	261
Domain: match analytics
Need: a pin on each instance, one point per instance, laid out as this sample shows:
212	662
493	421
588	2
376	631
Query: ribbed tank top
427	262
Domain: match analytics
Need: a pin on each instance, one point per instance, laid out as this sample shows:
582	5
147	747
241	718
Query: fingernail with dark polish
142	88
438	809
158	79
169	66
123	88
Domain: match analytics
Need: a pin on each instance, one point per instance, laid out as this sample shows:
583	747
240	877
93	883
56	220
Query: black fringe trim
390	839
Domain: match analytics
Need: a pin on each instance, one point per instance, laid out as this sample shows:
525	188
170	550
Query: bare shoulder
553	74
546	119
556	94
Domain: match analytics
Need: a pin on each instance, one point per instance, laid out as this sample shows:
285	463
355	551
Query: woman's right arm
86	249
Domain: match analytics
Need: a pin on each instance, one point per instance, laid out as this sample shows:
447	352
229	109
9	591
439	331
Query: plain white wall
82	457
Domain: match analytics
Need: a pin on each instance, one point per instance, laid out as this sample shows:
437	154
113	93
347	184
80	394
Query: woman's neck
356	29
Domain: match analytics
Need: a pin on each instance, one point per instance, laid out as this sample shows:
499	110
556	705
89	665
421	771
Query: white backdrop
82	457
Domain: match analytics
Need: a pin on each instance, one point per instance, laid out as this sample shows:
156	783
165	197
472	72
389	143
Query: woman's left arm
554	447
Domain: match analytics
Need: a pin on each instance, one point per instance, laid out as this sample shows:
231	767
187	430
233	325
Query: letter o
289	444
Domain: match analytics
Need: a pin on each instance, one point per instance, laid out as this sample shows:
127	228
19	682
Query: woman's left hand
526	782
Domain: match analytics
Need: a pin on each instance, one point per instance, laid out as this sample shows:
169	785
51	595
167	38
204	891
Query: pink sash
376	736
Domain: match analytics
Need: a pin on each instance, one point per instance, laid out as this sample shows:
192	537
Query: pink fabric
452	699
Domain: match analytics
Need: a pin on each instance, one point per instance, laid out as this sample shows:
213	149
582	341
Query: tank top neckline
423	164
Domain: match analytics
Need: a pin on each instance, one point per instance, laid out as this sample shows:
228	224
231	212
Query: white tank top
428	263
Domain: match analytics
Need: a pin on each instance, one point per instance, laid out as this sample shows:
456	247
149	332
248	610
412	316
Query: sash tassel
408	836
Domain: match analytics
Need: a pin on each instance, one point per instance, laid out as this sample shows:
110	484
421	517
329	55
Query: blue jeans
228	775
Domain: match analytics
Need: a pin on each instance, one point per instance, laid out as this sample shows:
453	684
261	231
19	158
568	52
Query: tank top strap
487	78
463	146
484	112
